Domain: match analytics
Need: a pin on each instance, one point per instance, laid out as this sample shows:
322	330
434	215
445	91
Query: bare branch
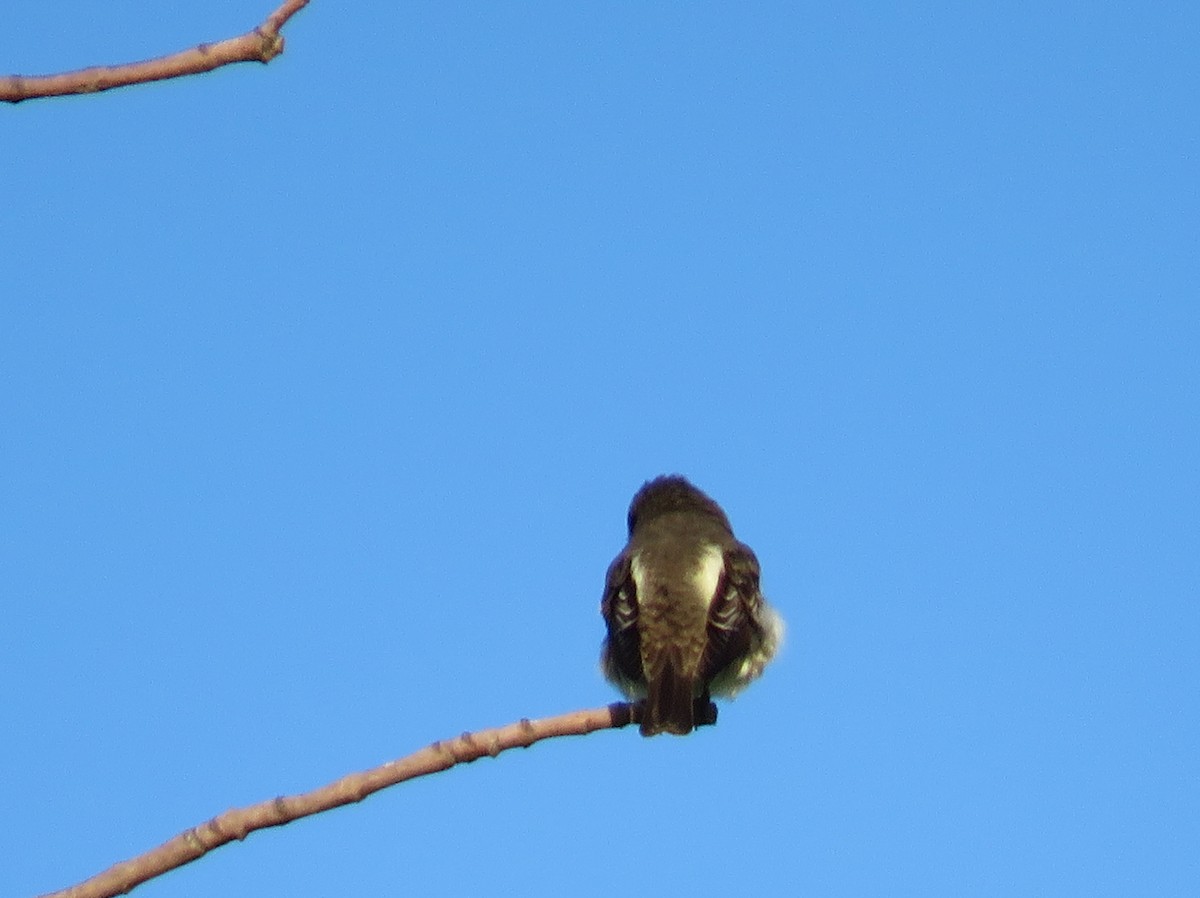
262	44
239	822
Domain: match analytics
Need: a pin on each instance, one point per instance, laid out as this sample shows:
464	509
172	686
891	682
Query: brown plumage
682	605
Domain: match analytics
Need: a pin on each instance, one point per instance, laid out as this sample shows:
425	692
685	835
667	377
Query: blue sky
325	386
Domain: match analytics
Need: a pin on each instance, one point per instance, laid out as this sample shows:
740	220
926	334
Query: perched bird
685	616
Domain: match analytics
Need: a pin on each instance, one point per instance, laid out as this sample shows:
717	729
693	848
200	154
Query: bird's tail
670	703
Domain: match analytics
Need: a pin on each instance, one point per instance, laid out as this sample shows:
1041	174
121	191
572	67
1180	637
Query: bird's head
669	494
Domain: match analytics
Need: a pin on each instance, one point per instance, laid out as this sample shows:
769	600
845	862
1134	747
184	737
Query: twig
262	44
239	822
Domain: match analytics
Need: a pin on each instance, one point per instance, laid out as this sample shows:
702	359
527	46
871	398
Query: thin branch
239	822
262	44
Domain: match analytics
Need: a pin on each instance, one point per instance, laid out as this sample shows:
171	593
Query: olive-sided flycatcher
685	616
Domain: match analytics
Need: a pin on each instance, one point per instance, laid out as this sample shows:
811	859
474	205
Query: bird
684	613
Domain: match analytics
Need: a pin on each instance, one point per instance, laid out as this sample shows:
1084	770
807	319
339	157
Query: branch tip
262	44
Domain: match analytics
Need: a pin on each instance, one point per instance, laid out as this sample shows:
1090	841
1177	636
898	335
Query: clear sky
324	387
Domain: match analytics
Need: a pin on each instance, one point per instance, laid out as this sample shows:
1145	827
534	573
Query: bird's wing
733	616
622	651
